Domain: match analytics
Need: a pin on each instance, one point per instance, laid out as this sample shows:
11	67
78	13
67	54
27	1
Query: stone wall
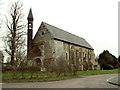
75	54
53	49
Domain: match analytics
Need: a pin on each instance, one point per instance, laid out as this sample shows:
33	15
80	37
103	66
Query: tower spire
30	15
29	33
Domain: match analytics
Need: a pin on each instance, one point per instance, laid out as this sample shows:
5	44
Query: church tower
29	33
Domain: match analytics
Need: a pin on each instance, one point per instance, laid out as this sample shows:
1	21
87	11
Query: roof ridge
63	30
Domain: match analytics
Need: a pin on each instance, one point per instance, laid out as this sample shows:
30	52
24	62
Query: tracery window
72	55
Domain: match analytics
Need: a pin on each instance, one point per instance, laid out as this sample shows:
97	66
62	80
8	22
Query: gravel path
95	81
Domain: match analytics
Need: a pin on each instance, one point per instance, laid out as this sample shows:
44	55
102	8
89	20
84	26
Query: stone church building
51	44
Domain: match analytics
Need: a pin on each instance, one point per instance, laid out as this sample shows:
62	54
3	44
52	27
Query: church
51	44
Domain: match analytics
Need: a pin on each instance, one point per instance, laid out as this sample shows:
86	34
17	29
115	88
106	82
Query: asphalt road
95	81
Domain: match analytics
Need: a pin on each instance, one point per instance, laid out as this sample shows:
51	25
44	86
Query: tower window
30	26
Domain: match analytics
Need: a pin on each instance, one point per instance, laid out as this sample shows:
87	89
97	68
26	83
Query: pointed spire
30	15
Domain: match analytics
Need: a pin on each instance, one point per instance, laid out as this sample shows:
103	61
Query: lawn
96	72
47	76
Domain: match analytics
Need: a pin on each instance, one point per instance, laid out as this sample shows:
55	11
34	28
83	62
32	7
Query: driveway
95	81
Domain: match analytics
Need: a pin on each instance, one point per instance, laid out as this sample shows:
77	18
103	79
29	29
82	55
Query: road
94	81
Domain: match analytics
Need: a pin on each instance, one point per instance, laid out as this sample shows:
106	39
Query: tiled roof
66	36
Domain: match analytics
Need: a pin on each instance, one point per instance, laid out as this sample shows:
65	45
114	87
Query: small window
42	33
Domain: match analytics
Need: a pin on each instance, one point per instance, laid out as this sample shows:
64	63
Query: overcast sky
94	20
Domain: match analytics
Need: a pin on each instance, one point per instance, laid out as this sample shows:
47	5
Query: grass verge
47	76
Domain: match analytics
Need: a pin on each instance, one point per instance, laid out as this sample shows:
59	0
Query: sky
94	20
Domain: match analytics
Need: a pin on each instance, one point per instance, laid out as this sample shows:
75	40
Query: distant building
51	43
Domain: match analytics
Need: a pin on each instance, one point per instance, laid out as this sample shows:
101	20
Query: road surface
94	81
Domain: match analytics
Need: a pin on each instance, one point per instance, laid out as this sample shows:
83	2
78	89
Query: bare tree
22	61
1	60
14	39
0	13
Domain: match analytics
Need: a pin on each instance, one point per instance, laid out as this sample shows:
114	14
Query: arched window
72	55
38	61
80	55
66	56
83	56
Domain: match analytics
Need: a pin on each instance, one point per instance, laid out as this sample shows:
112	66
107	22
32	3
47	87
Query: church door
38	63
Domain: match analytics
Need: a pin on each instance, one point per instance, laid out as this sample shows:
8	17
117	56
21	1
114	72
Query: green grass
96	72
47	76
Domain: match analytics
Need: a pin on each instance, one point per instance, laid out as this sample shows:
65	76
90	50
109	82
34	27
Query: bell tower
29	33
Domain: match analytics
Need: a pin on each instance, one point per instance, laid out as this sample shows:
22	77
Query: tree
119	59
14	40
0	13
1	58
22	58
107	60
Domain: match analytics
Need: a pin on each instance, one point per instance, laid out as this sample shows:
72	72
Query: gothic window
66	56
80	55
84	56
89	55
77	55
72	48
72	57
